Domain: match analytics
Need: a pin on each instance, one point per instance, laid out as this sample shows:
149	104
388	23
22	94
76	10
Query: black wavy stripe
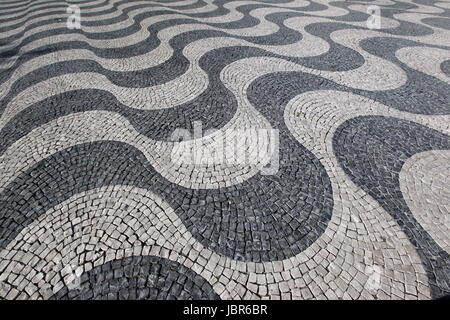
139	278
372	151
262	219
443	23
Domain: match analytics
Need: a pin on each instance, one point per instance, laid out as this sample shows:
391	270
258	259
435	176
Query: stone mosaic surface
94	205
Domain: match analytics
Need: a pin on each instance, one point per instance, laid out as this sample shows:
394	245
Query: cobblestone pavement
97	198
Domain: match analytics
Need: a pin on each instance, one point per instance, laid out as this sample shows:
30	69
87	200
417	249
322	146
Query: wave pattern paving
94	204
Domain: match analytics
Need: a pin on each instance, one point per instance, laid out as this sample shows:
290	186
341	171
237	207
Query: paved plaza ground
217	149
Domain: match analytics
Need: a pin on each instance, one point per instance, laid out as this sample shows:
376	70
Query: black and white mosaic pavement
94	205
